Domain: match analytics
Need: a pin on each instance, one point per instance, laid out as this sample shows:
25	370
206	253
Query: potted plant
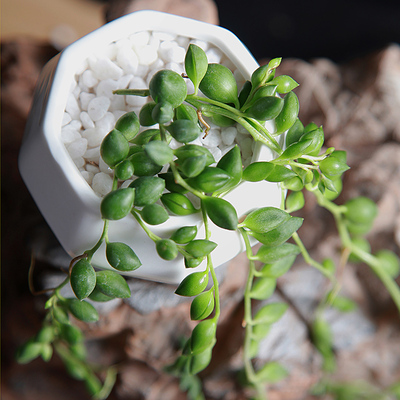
176	208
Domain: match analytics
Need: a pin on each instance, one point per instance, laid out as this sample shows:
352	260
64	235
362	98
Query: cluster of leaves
165	182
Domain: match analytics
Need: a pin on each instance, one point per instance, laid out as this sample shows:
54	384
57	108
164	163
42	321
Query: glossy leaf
284	83
154	214
200	361
294	202
178	204
263	288
257	171
100	297
128	124
280	173
317	137
294	134
332	166
112	284
278	268
167	249
200	247
70	333
185	111
159	152
193	284
185	234
121	257
295	150
83	278
271	254
148	189
210	180
202	306
196	65
117	204
83	310
144	165
289	113
265	73
162	113
184	130
145	136
265	108
265	219
231	163
361	210
193	166
203	336
193	150
124	170
145	114
221	212
270	313
114	148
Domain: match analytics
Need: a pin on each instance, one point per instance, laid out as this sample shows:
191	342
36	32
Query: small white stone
173	66
147	54
126	183
228	135
77	148
246	146
214	55
76	91
92	155
127	60
66	119
104	68
118	113
85	99
94	136
98	107
162	36
88	79
92	168
175	54
117	103
213	139
124	81
200	43
88	176
102	183
82	66
69	134
216	152
157	65
79	162
104	167
76	124
183	41
106	123
72	107
136	101
106	88
140	38
86	120
142	71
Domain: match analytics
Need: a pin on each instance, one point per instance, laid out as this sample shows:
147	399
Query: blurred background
346	56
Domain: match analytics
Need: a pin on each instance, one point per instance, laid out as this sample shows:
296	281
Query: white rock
88	176
117	103
136	101
66	119
214	55
98	107
76	124
91	167
162	36
200	43
85	98
246	146
104	167
72	107
213	139
106	88
140	38
228	135
86	120
106	123
147	54
127	60
102	183
119	113
94	136
88	79
104	68
69	134
178	68
77	148
142	71
92	155
124	81
79	162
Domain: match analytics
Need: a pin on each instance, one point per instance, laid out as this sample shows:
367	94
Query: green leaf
221	212
193	166
270	313
390	262
265	219
178	204
98	296
112	284
231	163
71	333
200	247
200	361
83	278
280	173
278	268
265	73
271	254
260	331
162	113
185	111
159	152
262	288
257	171
203	336
210	180
46	334
279	235
284	83
265	108
202	306
193	150
295	201
121	257
184	235
317	137
28	352
294	133
343	304
193	284
295	150
361	210
271	372
167	249
184	130
148	189
144	165
114	148
154	214
128	124
124	170
196	65
289	113
82	310
117	204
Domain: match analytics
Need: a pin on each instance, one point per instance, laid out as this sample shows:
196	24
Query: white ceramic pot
68	203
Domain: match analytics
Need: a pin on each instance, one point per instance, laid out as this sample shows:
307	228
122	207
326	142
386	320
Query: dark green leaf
231	163
114	148
159	152
112	284
294	134
202	306
210	180
270	313
83	278
154	214
82	310
144	165
280	173
117	204
121	257
221	212
178	204
200	247
148	189
271	254
196	65
285	83
128	124
265	108
71	333
193	284
257	171
203	336
167	249
184	130
265	219
185	234
289	113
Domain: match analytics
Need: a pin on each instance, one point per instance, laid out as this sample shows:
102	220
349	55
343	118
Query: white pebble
106	88
76	124
86	120
92	155
175	67
214	55
127	60
228	135
104	68
88	79
213	139
77	148
66	119
104	167
157	65
140	38
183	41
102	183
200	43
246	146
85	99
216	152
174	54
147	54
98	107
92	168
118	113
106	123
163	35
142	71
79	162
123	82
117	103
72	107
69	134
94	136
76	91
88	176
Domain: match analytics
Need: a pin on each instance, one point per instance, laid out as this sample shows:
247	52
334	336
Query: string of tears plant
165	181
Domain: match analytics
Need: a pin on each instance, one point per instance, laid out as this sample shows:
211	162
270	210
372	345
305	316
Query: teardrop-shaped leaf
128	124
285	83
294	202
193	150
280	234
210	180
184	130
121	257
83	278
112	284
203	336
200	361
71	333
159	152
280	173
144	165
193	284
263	288
28	352
265	219
270	313
117	204
202	306
260	331
200	247
185	234
98	296
178	204
114	148
148	189
257	171
193	166
167	249
196	65
317	137
295	150
278	268
265	108
83	310
154	214
289	113
271	254
271	372
231	163
185	111
221	212
294	133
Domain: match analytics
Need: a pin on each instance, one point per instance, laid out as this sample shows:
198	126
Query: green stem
103	237
194	100
149	233
180	181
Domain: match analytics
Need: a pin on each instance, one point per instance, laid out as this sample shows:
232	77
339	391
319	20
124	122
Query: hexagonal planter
68	203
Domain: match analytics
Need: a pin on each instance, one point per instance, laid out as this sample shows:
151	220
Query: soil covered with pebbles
92	109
